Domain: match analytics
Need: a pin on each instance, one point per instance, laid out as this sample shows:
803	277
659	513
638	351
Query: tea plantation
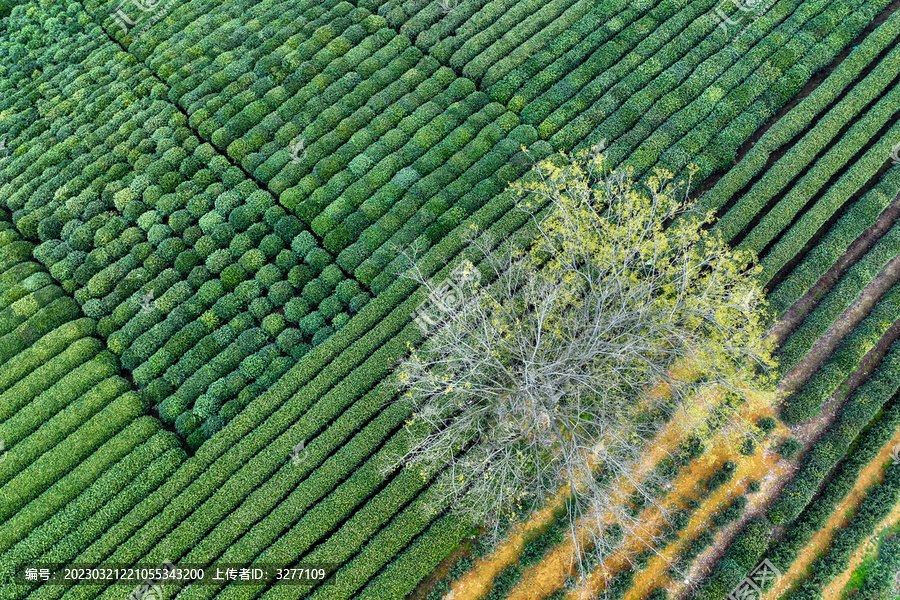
204	208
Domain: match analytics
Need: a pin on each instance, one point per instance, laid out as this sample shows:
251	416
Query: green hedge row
409	533
741	556
58	410
510	40
503	583
41	534
794	240
805	402
628	59
858	217
70	480
411	574
358	571
717	140
881	575
26	320
36	382
43	350
330	493
815	178
73	459
19	311
857	412
573	46
602	98
717	154
494	215
866	448
16	280
483	39
434	206
773	70
402	174
838	300
171	239
113	496
630	113
243	51
802	116
415	561
877	505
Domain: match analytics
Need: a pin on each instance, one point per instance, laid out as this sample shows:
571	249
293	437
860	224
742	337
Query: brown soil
772	484
807	434
421	590
766	471
478	580
847	322
857	249
549	575
834	590
872	474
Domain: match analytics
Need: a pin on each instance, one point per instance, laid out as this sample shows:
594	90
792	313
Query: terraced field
204	207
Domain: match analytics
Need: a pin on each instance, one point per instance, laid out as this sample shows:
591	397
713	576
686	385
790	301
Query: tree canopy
543	366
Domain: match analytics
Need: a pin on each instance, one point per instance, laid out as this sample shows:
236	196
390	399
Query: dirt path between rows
552	571
477	581
834	590
873	473
855	251
846	323
766	468
807	434
549	575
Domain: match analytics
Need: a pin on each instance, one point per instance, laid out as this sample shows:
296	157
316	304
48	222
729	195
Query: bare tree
538	374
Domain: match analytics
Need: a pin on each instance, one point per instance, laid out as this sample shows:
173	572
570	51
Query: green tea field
207	208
